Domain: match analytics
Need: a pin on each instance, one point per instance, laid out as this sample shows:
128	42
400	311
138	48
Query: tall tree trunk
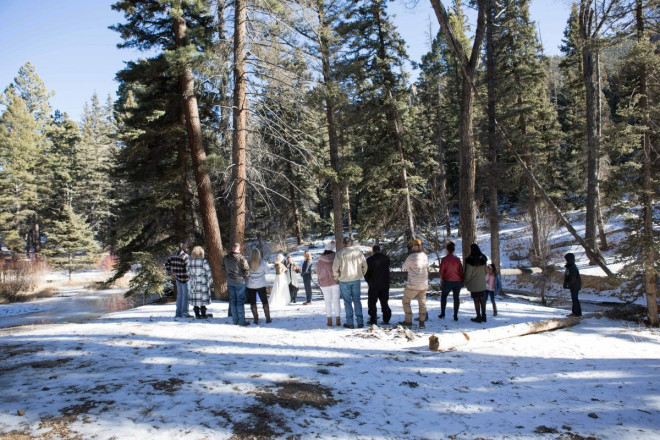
294	209
333	143
237	226
586	22
599	133
182	160
442	174
493	142
225	94
535	252
396	128
458	50
467	208
347	207
650	279
198	155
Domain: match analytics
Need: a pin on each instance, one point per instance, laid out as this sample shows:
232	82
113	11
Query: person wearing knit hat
417	266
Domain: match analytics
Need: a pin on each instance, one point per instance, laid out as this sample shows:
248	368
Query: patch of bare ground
170	385
263	423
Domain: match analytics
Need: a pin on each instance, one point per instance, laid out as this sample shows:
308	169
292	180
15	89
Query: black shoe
483	319
268	321
441	316
455	318
372	322
360	325
385	323
348	325
244	324
477	319
405	324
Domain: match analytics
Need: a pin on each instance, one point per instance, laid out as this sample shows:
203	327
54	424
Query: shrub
17	276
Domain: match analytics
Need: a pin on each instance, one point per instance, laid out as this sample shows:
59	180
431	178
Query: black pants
455	288
251	295
577	309
382	295
293	292
307	281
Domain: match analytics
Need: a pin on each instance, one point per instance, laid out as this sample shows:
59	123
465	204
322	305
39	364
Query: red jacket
451	268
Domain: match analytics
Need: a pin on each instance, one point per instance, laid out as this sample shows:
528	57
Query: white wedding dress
279	294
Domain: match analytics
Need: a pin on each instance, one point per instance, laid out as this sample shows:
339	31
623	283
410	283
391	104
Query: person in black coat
573	281
378	279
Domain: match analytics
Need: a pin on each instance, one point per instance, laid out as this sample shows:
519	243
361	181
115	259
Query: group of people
339	275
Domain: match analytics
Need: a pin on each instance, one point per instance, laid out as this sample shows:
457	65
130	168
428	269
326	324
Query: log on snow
453	340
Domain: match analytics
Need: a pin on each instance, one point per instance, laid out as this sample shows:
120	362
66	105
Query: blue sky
74	52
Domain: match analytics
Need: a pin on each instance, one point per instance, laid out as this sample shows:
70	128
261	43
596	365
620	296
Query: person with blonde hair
201	283
279	295
256	284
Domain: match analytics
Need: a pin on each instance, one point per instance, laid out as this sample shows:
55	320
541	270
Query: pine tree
633	186
21	146
375	76
27	95
167	122
71	242
523	108
95	187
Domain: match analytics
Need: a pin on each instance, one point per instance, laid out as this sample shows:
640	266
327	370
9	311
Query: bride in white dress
279	294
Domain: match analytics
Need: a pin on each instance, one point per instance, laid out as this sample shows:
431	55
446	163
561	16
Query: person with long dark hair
475	280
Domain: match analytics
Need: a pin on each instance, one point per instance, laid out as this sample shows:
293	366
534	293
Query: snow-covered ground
140	374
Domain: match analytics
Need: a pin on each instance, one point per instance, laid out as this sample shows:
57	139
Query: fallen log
451	341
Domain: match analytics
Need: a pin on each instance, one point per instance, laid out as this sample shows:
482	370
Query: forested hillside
264	120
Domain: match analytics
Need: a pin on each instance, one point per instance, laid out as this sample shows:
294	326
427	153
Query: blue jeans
182	290
350	292
237	302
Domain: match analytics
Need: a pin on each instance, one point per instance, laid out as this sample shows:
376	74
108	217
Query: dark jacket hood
570	258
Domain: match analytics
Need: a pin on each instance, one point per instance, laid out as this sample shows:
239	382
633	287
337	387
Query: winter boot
422	324
483	309
329	322
255	313
494	310
337	321
197	315
203	311
267	313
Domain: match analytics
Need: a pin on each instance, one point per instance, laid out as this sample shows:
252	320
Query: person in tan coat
349	268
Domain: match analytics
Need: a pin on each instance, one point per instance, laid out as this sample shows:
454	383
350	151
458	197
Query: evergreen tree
21	146
162	131
523	108
377	83
71	242
95	188
31	142
633	185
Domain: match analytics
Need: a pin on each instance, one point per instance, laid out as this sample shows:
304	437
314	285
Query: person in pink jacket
328	284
